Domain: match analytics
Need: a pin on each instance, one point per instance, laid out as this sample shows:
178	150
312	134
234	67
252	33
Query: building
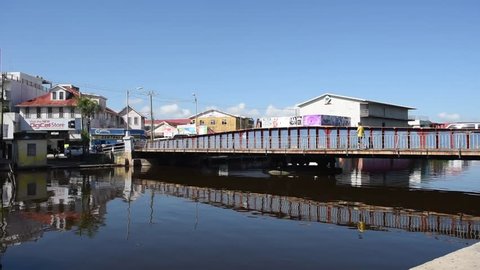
368	112
16	87
135	119
56	112
106	117
166	128
222	122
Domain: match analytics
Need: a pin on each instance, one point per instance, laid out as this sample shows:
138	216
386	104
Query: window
32	189
224	121
135	120
31	150
212	122
129	120
72	112
60	112
39	112
49	112
54	95
202	122
27	112
60	95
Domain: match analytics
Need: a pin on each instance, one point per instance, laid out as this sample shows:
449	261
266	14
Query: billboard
316	120
187	129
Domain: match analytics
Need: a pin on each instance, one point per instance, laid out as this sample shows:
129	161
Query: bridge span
329	142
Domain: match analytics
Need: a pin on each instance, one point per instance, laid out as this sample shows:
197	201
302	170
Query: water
376	214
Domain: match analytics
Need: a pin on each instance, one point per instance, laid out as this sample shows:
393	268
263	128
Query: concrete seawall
466	258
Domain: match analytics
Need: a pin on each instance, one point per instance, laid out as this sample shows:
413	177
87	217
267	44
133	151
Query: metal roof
351	98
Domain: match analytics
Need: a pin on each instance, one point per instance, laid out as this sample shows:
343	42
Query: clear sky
253	57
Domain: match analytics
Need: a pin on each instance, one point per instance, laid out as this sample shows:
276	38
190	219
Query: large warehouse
368	112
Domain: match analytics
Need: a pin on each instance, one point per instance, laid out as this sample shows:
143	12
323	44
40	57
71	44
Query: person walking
360	134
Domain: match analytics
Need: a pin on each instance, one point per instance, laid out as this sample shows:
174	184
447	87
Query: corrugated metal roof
350	98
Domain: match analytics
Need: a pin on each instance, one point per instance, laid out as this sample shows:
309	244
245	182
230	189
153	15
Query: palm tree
88	108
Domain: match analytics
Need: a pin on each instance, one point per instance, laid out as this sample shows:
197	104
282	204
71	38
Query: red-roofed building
167	127
56	112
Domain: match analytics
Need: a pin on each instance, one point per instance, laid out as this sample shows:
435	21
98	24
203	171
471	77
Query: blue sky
253	57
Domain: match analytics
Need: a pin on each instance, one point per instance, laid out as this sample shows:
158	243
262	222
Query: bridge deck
378	142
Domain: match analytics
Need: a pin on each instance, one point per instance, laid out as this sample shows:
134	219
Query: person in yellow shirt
360	134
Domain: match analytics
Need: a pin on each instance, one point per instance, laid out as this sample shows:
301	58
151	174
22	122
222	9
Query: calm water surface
376	214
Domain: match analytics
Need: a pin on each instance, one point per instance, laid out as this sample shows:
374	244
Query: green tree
88	108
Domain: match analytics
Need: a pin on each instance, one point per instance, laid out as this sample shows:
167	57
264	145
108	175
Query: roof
110	111
172	122
350	98
46	99
130	109
215	110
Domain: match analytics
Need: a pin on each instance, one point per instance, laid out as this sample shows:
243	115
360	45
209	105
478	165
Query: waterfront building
368	112
30	149
56	113
134	119
219	121
16	87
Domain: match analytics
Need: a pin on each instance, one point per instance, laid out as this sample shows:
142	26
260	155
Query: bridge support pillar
127	154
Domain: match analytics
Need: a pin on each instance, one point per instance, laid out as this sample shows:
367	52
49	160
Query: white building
19	87
368	112
135	119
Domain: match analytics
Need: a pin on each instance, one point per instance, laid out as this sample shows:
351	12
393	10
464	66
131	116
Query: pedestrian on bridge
360	134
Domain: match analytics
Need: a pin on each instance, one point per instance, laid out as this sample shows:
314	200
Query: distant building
166	128
368	112
218	121
135	119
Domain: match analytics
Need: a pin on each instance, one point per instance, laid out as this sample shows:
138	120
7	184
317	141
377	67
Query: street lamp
127	133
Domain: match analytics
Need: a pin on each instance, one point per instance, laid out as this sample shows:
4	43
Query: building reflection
62	200
405	173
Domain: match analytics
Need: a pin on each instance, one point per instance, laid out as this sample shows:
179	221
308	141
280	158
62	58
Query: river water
375	214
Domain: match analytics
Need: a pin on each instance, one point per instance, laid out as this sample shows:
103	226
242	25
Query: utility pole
152	130
196	112
2	144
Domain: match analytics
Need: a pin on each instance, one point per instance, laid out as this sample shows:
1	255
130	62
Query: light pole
127	124
196	112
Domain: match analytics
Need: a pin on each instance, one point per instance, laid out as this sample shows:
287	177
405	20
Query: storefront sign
49	124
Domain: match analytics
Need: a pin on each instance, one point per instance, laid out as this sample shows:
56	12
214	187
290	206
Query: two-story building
368	112
134	119
219	121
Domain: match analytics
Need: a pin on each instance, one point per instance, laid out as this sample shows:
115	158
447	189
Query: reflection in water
35	202
369	196
416	174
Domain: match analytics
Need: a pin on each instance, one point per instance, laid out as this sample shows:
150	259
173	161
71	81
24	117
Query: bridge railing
309	138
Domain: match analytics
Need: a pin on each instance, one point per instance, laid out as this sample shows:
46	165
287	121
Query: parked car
73	151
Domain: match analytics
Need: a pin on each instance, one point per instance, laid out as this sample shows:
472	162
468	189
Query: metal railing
321	138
